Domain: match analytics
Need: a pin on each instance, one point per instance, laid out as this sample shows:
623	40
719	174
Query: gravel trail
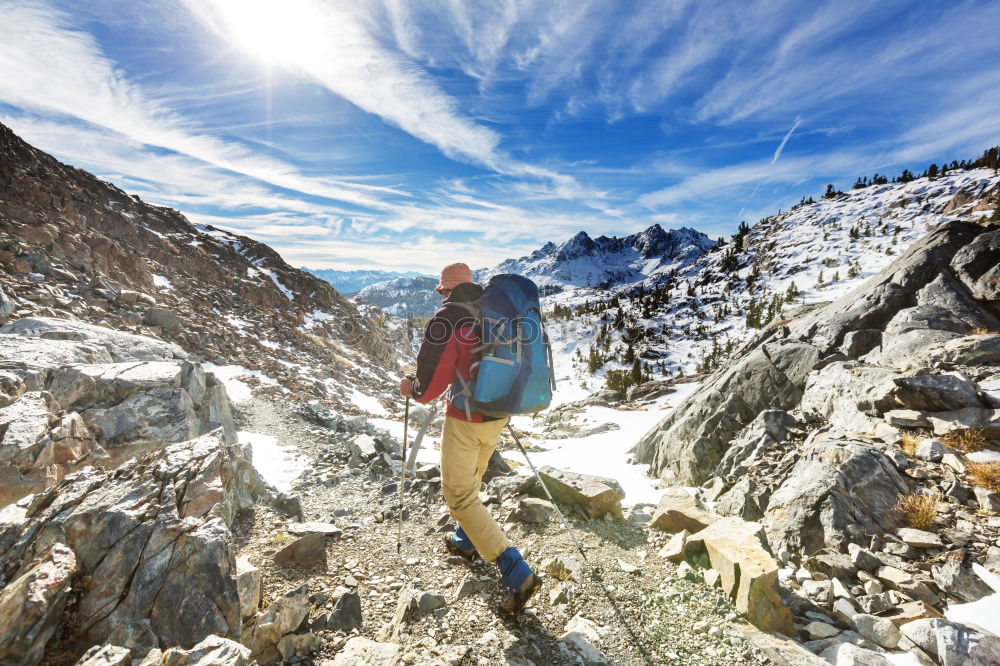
639	610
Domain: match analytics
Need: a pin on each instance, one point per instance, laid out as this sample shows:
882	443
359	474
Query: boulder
363	446
692	440
137	637
977	267
579	635
747	573
680	510
906	418
839	491
151	540
533	510
32	604
161	414
756	442
249	586
848	654
593	496
960	582
850	395
965	645
212	651
49	354
969	418
674	549
937	393
361	650
162	317
106	655
878	630
283	616
118	345
310	549
346	614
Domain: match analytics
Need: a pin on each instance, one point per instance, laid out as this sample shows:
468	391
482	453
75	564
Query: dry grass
981	331
985	474
909	444
918	510
966	441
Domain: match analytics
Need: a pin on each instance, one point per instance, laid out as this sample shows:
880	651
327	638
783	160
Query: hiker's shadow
536	645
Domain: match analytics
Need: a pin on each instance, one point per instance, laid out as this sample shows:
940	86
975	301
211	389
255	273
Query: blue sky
405	135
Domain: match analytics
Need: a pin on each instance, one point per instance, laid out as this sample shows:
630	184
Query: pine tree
819	279
830	192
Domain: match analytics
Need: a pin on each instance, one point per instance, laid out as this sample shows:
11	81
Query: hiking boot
453	548
516	599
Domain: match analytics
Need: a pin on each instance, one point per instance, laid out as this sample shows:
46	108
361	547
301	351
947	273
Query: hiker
447	361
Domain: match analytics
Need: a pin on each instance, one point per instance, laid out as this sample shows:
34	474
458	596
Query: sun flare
287	32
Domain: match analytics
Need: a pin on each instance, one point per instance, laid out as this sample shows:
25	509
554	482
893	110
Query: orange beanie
454	275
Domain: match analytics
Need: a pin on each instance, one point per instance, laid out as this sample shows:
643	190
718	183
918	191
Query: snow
985	612
367	403
986	455
903	659
274	278
312	318
160	282
604	454
229	375
278	465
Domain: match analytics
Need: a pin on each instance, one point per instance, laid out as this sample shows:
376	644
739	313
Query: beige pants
465	451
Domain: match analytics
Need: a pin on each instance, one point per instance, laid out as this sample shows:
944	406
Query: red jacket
450	337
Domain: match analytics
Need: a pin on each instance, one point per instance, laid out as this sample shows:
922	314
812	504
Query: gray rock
977	267
362	446
690	442
878	630
137	637
756	442
151	540
988	501
848	654
820	630
533	510
106	655
838	492
849	395
310	549
468	586
960	582
965	645
32	604
159	415
263	633
923	634
162	317
906	418
937	393
593	496
919	538
859	343
931	450
249	585
120	346
346	614
428	602
212	651
361	650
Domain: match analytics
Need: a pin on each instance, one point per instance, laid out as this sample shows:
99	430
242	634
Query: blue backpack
516	374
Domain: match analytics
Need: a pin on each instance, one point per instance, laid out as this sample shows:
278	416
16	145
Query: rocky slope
73	246
843	427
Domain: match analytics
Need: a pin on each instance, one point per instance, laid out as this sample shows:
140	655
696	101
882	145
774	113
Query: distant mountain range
608	261
351	282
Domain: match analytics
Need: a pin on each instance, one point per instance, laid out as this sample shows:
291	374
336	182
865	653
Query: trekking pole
579	548
538	477
402	479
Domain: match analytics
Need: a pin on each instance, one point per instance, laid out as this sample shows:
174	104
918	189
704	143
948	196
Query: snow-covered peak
608	261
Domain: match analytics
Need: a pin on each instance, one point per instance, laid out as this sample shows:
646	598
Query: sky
407	135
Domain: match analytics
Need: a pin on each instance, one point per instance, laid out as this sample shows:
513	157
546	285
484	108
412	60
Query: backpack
516	374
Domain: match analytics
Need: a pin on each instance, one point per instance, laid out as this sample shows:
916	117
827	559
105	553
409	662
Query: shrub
985	474
918	510
909	444
980	330
968	440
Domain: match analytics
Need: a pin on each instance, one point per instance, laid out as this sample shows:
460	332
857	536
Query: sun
277	32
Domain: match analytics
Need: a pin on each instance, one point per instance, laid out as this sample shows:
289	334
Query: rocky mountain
607	261
351	282
73	246
690	320
404	297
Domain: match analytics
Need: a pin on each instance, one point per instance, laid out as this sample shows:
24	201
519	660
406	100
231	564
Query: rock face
151	541
76	248
31	606
837	492
119	394
917	311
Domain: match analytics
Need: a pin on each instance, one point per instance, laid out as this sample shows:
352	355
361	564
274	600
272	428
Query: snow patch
160	282
278	465
985	612
986	455
367	403
229	375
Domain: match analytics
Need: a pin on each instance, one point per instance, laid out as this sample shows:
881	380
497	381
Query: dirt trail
649	616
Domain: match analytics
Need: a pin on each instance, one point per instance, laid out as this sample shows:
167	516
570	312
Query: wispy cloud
74	78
